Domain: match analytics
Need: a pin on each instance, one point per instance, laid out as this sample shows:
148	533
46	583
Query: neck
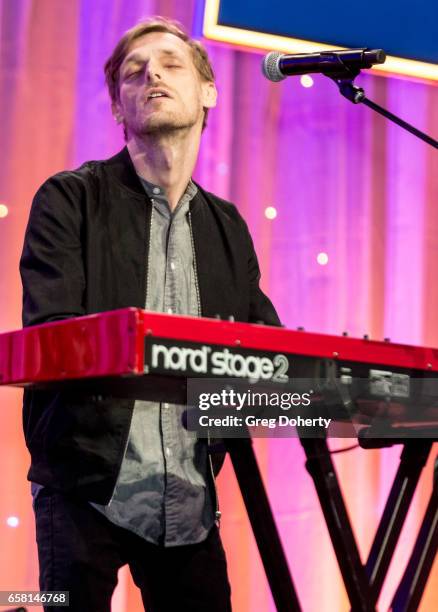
167	160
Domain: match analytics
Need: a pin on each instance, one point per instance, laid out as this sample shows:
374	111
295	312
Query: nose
152	71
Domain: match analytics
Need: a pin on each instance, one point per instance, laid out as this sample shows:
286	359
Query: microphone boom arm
344	79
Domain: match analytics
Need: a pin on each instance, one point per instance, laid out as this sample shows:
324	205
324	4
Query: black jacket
85	251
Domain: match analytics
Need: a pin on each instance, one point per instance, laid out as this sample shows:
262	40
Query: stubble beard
165	126
164	123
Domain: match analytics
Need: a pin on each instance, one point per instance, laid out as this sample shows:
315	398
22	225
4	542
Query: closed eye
133	74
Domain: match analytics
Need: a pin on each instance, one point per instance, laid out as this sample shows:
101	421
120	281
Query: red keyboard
136	353
131	341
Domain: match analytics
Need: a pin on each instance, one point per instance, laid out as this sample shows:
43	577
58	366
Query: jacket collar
122	169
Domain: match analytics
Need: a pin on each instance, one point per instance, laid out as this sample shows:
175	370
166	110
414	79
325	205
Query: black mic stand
344	79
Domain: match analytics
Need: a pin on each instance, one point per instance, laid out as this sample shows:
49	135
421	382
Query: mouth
155	94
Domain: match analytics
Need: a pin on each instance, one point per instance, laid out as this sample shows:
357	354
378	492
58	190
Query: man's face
160	89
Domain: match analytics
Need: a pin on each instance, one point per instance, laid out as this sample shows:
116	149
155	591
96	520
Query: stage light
322	259
3	211
306	80
270	212
12	521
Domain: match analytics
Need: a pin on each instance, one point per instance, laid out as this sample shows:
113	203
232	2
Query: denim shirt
164	492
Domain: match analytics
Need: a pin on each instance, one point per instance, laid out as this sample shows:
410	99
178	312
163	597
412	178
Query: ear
117	112
209	94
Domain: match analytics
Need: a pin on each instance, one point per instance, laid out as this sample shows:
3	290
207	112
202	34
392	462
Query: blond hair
155	24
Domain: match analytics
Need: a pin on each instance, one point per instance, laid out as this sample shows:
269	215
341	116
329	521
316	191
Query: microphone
277	66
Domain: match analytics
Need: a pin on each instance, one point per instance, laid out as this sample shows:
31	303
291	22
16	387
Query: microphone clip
344	79
348	89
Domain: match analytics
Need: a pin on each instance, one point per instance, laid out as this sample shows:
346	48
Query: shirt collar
155	192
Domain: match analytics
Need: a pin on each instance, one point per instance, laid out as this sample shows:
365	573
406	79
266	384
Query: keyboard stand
412	461
263	524
320	466
413	582
364	582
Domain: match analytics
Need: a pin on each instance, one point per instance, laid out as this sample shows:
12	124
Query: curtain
344	182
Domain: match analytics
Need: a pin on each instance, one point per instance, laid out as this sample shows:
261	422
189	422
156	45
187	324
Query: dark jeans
80	551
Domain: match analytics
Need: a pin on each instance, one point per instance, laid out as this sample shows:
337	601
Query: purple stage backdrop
353	246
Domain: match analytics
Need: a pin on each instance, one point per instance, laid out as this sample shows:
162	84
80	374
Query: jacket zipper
195	265
147	251
198	299
147	289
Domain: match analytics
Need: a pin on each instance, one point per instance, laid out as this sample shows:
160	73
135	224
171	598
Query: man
117	481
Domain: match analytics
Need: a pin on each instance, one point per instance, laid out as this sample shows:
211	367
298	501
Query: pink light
270	212
306	80
322	259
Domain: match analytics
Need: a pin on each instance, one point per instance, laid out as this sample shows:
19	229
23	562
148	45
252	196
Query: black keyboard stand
408	595
320	466
412	461
364	582
263	524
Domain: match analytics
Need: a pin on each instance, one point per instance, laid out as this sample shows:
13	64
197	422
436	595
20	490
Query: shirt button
168	452
156	190
166	406
169	311
172	265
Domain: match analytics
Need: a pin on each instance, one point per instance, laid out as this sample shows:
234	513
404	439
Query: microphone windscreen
271	67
